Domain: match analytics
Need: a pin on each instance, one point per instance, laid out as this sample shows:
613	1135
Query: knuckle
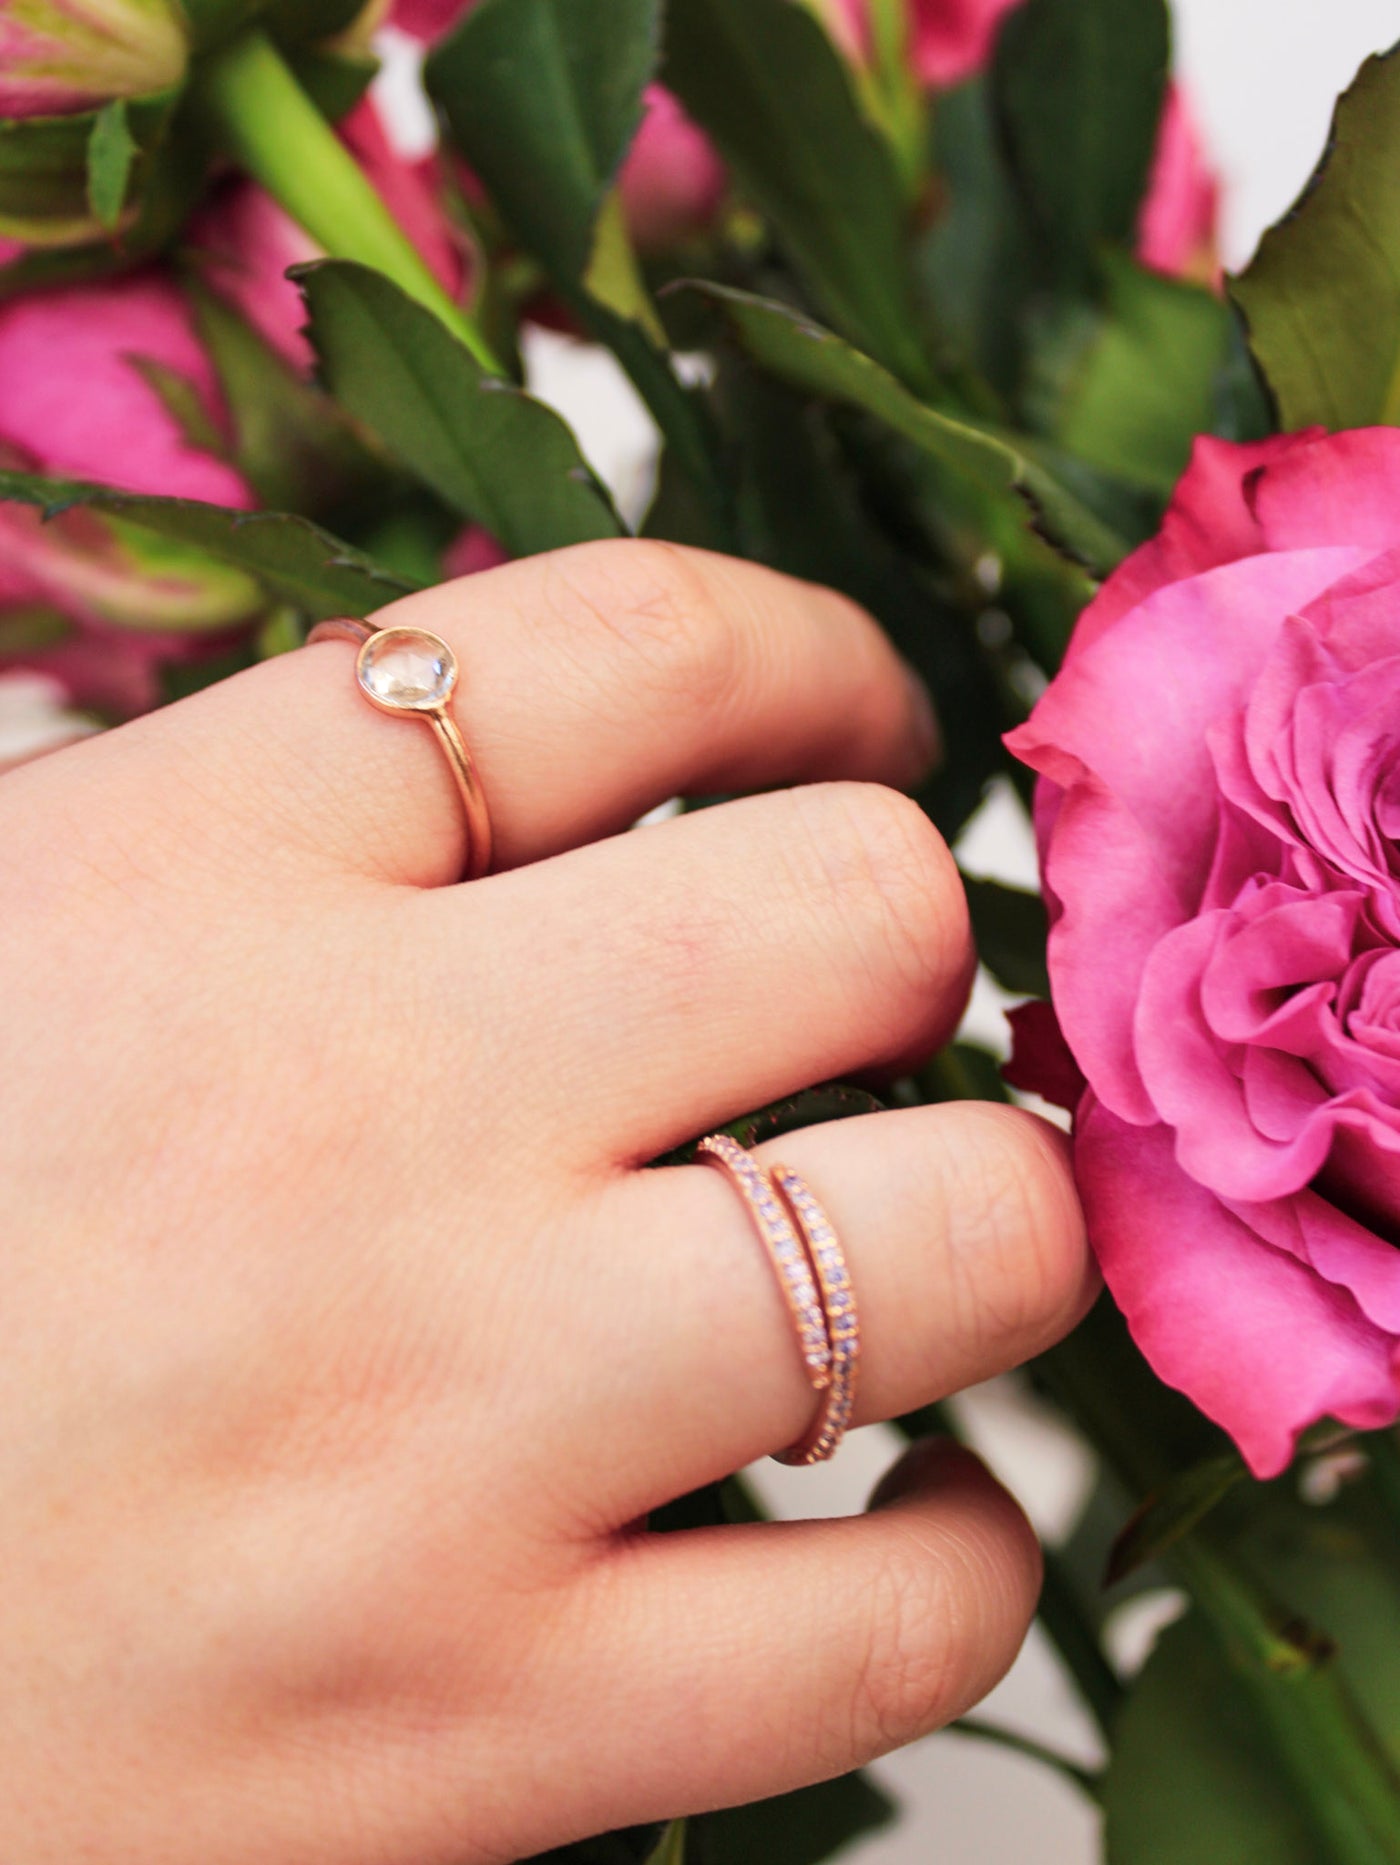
894	884
656	603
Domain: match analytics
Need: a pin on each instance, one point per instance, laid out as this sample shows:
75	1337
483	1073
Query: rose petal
1041	1062
1330	489
1259	1341
72	401
1208	522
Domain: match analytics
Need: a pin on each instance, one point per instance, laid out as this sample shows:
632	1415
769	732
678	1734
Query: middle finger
662	982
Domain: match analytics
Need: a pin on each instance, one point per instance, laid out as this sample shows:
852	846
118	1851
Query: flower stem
267	123
1347	1785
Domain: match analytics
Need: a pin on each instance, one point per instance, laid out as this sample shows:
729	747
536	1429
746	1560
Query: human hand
347	1344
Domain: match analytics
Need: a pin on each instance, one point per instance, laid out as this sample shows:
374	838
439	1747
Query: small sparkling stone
405	667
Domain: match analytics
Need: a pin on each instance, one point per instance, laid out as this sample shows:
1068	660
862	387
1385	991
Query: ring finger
966	1251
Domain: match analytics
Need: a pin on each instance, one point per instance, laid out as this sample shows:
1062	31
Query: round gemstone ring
413	672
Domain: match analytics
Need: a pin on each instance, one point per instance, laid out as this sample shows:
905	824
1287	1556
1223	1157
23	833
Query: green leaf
670	1848
1173	1511
1129	388
484	446
293	445
50	166
293	559
978	261
803	508
1191	1776
796	1829
1079	86
543	98
184	403
111	151
1010	931
763	77
1322	294
335	81
962	1072
813	359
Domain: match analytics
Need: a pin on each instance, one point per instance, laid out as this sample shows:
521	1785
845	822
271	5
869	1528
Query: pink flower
672	182
246	242
62	56
85	597
1177	226
1219	824
470	551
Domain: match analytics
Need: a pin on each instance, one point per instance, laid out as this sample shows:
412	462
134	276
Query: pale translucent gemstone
406	667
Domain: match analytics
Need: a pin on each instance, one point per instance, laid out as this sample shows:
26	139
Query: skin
347	1341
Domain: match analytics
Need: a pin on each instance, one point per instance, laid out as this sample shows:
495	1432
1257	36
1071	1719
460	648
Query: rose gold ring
811	1270
838	1300
414	673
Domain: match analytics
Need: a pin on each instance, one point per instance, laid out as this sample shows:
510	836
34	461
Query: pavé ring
811	1269
413	673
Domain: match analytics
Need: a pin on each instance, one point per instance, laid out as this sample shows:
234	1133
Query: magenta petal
73	401
1208	522
1041	1062
1102	937
1332	489
1338	1248
1258	1340
1194	1080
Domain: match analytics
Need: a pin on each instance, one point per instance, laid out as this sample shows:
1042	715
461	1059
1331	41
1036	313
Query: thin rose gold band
438	716
810	1265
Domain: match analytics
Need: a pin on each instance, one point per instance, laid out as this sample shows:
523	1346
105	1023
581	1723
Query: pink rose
246	242
1219	825
672	182
91	601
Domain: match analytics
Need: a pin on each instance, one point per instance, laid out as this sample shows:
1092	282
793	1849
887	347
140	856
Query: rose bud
1218	815
57	59
96	602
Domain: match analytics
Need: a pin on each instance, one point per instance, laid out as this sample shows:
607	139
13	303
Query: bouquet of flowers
923	299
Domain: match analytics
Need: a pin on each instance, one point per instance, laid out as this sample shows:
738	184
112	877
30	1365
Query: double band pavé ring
810	1265
414	673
